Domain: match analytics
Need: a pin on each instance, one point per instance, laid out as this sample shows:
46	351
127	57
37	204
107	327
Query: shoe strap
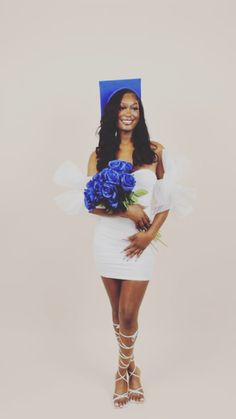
123	364
125	346
133	373
133	336
123	356
137	391
122	377
120	396
117	325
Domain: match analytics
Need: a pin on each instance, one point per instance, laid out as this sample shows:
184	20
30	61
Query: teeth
127	121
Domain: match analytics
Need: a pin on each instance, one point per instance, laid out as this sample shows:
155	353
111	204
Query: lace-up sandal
123	365
138	390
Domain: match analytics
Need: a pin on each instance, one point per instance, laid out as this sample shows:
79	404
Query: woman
124	136
124	247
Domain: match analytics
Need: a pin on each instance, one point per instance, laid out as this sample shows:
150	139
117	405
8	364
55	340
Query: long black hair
109	139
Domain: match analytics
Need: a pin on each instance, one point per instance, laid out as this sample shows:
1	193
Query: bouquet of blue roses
113	189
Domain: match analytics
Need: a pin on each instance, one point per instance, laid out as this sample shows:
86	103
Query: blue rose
109	191
112	176
97	187
120	165
127	182
128	166
89	198
89	184
103	174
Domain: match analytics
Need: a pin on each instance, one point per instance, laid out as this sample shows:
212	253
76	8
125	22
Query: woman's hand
139	241
136	213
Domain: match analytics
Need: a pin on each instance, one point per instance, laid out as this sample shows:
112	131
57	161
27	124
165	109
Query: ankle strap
130	357
135	334
123	356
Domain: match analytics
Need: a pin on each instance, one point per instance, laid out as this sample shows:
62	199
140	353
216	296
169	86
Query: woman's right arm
92	164
134	212
103	212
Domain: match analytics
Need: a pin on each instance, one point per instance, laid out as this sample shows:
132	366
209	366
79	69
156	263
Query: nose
128	111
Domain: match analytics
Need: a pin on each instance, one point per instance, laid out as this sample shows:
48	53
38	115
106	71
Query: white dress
112	232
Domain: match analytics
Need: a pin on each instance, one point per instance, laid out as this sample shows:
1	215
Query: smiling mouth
127	121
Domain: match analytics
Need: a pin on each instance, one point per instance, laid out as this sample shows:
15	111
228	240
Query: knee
128	317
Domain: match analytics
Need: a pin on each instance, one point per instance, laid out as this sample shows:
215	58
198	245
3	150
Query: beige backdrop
58	349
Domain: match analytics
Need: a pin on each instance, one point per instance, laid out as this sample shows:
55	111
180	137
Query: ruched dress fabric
111	238
112	232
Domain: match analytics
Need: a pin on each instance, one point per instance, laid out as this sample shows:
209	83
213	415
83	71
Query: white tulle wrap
71	201
168	192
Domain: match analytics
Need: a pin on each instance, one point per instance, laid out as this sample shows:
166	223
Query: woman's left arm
157	222
140	240
162	215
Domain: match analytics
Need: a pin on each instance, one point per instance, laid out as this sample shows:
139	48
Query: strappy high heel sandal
117	396
138	390
131	391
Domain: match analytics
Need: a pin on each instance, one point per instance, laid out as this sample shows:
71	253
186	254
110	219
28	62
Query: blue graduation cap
109	87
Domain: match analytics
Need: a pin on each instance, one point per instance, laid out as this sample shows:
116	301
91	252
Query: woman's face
129	112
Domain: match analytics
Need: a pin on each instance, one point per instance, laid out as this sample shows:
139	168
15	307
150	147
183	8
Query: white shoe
138	390
131	391
117	396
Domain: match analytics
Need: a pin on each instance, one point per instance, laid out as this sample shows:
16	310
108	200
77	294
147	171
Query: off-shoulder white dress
111	233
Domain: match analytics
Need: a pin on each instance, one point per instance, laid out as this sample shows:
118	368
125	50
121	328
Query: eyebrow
124	103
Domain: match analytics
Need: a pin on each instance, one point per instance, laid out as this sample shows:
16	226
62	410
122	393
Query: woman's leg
131	296
125	298
113	289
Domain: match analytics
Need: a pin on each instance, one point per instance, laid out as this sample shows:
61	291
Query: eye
136	109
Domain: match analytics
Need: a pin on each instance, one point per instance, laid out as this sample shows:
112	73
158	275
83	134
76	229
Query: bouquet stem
157	237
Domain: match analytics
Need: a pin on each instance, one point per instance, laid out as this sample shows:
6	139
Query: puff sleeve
168	192
68	174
